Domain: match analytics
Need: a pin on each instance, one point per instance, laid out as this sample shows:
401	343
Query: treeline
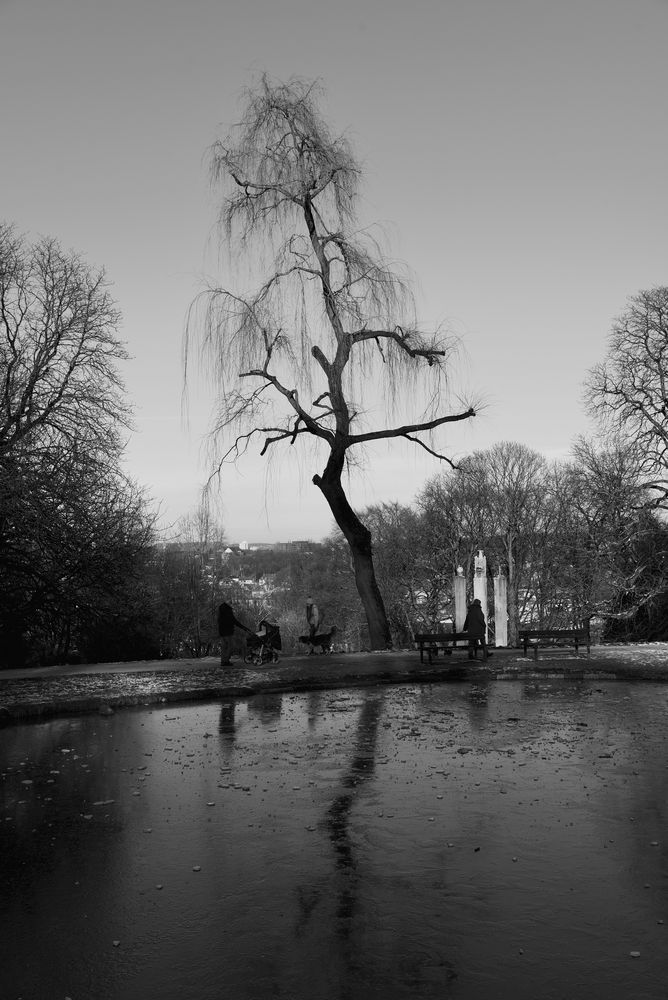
575	540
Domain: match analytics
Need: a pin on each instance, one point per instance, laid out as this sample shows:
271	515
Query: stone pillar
500	609
459	589
480	582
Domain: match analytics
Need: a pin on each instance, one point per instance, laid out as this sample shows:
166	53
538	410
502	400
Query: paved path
300	666
56	690
394	661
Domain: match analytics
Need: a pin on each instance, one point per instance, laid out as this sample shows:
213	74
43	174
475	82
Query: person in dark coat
227	622
475	626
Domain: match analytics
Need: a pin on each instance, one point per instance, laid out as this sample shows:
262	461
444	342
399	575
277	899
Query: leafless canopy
74	529
58	349
302	353
628	391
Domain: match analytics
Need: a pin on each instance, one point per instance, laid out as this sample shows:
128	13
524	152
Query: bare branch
436	454
412	428
403	340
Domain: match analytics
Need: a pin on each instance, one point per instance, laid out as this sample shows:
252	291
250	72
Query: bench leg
535	652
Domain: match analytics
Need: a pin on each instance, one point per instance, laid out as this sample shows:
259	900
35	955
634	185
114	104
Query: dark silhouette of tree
189	576
59	349
604	552
328	336
400	552
628	390
73	527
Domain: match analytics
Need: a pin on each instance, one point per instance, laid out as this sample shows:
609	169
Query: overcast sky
516	152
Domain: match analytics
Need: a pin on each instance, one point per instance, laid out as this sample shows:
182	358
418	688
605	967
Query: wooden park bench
433	641
563	636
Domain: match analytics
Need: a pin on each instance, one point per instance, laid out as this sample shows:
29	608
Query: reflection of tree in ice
362	766
345	891
337	820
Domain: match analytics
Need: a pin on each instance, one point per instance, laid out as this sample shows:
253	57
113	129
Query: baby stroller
262	646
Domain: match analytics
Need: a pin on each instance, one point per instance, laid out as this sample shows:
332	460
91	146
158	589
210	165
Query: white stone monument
459	588
480	583
500	609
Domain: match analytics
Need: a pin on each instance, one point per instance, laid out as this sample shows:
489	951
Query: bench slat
432	640
572	636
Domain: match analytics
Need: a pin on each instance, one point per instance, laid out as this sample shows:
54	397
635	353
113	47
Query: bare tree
202	539
628	390
494	501
73	528
513	479
399	549
74	537
58	348
327	318
603	545
452	527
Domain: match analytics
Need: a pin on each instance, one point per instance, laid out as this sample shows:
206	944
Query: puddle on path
455	840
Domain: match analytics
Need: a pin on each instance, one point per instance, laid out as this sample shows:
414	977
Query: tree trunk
359	540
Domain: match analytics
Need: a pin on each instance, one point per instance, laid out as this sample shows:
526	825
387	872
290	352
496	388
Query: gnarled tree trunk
359	541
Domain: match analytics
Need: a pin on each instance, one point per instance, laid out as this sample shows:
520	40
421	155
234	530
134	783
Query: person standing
312	617
226	625
475	626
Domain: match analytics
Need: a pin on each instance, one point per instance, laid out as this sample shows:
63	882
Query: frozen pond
455	840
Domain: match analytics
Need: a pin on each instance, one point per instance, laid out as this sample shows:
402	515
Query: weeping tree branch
408	429
330	321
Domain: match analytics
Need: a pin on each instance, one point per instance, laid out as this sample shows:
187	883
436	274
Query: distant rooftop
247	546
